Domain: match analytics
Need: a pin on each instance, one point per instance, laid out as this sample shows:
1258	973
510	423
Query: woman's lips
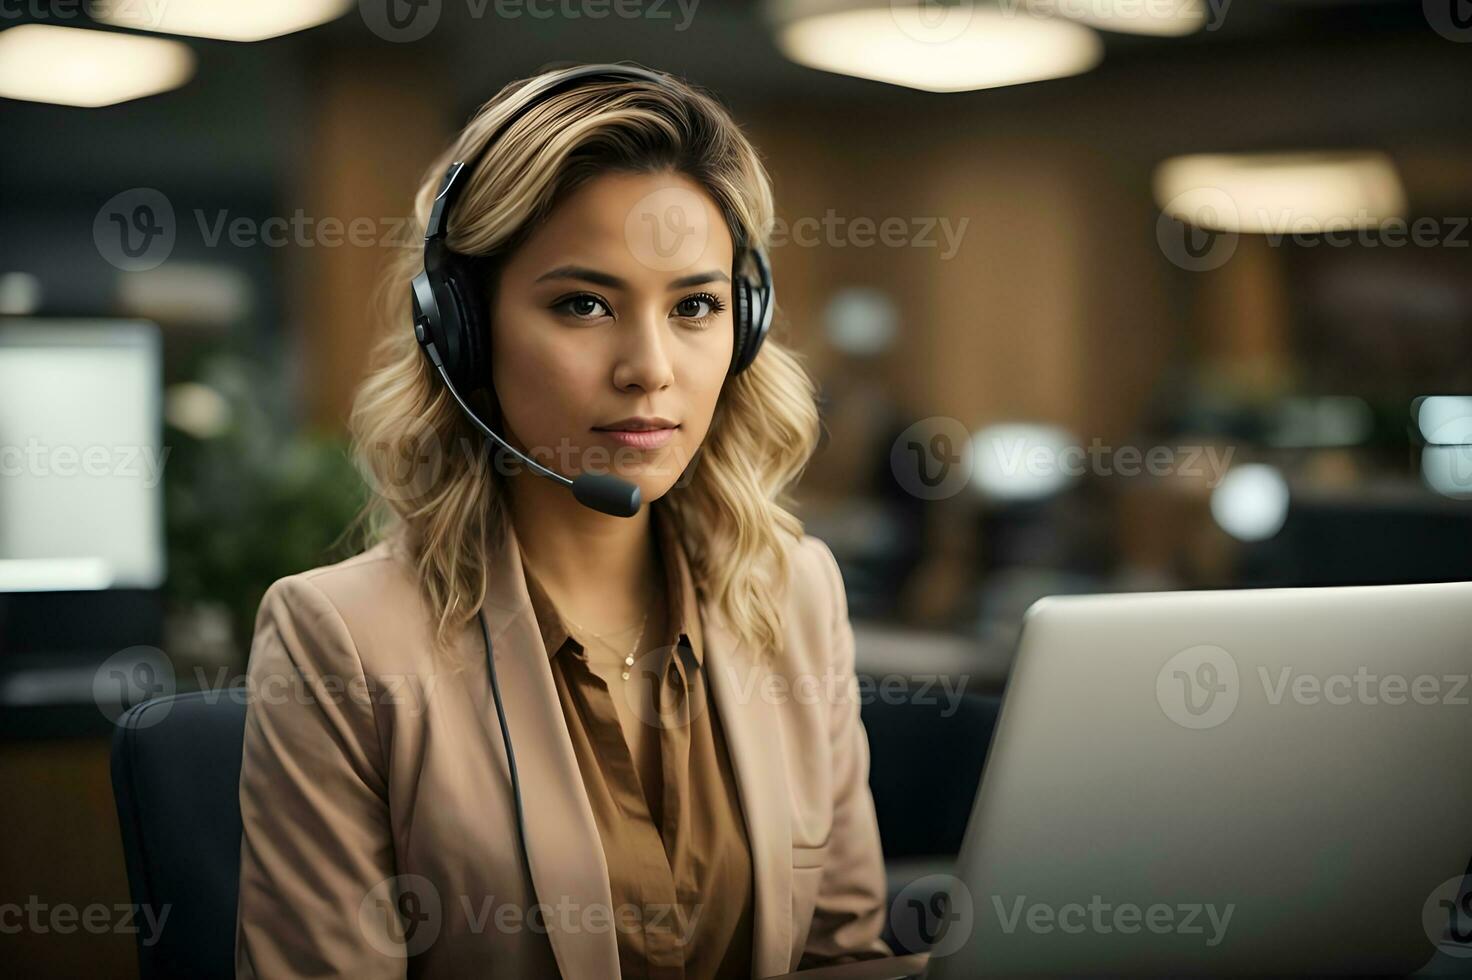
640	438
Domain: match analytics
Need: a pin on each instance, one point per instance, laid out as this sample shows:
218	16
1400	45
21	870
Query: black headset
450	319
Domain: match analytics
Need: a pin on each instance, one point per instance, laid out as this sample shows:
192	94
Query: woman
676	781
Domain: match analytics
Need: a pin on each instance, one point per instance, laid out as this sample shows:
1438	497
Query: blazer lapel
564	850
750	725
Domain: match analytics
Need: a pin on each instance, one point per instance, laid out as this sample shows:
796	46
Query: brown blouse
654	765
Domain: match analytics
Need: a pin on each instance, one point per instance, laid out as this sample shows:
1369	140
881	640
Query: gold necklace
629	657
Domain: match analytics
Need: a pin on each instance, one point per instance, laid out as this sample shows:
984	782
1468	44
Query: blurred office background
1190	309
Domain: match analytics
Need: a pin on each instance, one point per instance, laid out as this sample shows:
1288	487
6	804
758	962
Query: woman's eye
584	306
698	307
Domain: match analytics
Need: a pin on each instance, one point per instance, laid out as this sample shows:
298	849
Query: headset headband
456	177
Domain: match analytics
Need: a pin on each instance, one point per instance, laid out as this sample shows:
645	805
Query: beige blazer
374	779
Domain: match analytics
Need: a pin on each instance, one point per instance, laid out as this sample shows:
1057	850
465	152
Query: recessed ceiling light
937	49
69	66
226	20
1280	193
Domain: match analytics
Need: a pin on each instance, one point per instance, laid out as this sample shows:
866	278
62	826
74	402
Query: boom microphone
603	493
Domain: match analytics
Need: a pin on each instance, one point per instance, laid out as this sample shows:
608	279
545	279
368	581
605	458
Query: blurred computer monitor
82	554
81	456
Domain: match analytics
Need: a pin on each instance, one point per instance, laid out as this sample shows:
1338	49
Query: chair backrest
176	780
925	760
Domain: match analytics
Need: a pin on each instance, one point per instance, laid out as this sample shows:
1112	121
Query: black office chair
176	780
925	766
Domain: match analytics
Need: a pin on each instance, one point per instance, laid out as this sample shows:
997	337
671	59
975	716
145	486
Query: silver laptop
1272	781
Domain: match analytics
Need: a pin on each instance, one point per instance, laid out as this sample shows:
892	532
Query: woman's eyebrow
614	282
699	279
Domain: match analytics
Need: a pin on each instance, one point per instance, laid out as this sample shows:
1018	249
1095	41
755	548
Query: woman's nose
644	358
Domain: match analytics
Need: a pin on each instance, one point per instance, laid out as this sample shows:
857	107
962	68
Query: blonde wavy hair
730	508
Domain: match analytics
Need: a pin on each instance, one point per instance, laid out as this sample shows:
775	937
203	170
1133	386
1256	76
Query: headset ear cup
444	332
463	328
761	321
742	324
475	323
451	317
754	298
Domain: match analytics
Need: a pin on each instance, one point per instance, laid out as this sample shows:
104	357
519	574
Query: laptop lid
1259	781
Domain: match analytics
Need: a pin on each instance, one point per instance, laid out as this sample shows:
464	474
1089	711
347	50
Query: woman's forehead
645	227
